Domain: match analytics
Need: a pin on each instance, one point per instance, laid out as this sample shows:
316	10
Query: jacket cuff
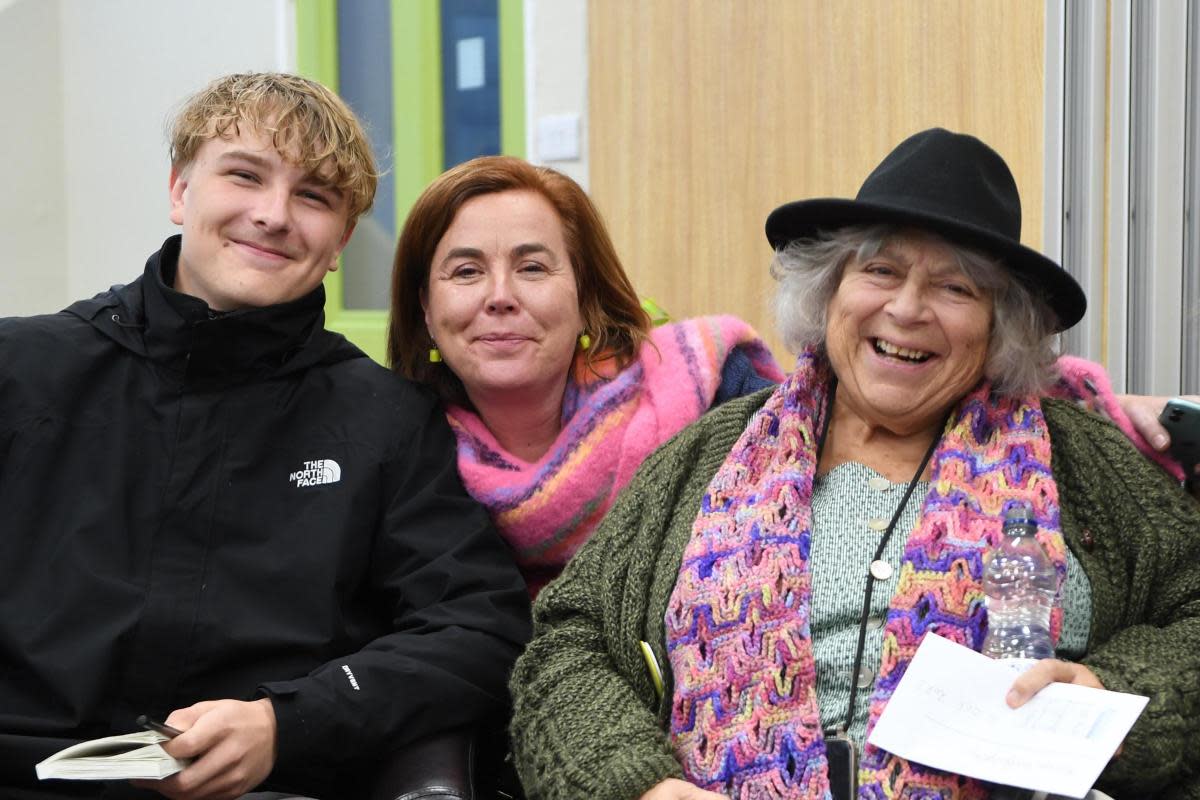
633	778
293	732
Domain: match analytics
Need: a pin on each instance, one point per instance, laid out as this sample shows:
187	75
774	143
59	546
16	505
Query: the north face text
324	470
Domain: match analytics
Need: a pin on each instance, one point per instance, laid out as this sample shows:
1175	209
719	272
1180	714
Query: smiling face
907	333
257	229
502	303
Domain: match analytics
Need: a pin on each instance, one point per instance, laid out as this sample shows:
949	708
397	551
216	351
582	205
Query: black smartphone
843	767
1181	418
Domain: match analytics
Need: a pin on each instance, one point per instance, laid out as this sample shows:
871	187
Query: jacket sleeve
1138	536
458	611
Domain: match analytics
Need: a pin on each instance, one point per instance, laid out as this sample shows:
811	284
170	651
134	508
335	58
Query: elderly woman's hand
674	789
1046	672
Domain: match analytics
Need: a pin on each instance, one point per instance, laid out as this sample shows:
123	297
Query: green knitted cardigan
588	724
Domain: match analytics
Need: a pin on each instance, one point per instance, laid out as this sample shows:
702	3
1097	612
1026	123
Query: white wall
33	271
556	61
99	81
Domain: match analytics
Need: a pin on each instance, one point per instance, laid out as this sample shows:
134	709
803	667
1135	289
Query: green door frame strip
417	116
512	77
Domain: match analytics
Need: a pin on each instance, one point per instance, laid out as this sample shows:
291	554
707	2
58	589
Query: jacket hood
179	331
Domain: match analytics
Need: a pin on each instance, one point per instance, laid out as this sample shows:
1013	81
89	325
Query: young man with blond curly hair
218	513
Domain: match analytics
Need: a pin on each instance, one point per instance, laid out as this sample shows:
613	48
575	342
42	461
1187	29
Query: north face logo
324	470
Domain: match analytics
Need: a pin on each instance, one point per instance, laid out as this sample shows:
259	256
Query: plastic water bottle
1019	582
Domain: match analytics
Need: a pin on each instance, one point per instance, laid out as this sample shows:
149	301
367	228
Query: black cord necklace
879	569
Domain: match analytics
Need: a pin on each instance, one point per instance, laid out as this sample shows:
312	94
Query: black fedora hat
955	186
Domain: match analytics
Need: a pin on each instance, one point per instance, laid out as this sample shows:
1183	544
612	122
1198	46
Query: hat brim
804	219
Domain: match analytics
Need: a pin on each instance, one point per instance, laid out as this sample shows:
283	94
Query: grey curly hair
1023	346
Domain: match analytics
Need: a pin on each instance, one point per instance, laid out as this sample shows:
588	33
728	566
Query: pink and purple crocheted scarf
744	715
548	509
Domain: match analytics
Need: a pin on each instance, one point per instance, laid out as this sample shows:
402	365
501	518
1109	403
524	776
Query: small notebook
131	755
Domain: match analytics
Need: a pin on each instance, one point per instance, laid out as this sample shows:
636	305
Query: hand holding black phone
1181	418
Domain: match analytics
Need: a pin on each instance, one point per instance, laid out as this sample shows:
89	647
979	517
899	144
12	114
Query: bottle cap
1019	514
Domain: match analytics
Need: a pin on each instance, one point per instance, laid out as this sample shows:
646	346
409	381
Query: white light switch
558	137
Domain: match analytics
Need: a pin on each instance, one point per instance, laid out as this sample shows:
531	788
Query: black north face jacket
196	508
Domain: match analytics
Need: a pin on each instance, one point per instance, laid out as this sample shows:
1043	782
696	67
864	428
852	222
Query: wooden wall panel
706	114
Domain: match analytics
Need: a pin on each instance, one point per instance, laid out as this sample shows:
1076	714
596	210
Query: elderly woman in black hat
745	611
